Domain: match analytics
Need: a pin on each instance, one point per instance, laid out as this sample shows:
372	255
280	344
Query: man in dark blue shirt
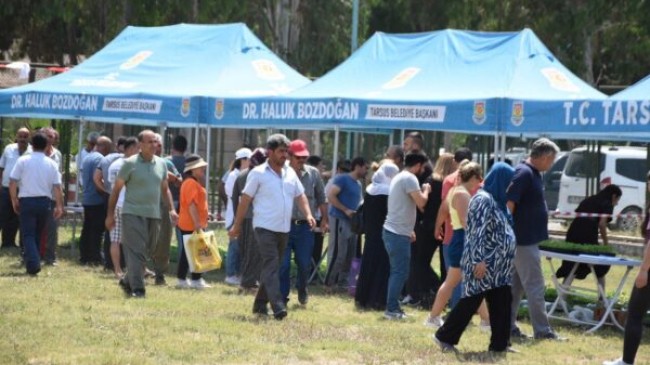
528	207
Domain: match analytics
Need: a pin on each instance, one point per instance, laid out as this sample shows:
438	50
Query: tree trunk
588	57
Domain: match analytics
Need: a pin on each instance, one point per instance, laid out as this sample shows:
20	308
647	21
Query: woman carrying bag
193	216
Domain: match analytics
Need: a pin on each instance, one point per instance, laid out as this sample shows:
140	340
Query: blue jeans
455	295
232	258
398	248
33	215
301	242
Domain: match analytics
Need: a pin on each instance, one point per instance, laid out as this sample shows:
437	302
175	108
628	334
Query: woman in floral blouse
486	264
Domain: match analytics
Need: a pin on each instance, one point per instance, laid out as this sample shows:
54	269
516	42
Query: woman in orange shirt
193	216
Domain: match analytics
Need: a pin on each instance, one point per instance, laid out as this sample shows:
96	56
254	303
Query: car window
632	168
580	164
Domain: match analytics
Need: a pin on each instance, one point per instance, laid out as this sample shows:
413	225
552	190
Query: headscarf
381	179
497	181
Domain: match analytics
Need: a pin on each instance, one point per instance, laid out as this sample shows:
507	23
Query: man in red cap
301	237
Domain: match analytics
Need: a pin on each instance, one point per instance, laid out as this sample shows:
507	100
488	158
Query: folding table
569	289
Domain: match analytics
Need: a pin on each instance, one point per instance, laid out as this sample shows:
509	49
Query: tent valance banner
152	75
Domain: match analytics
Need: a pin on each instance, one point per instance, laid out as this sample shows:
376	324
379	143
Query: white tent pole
496	147
77	186
207	169
401	135
503	146
335	158
196	138
390	139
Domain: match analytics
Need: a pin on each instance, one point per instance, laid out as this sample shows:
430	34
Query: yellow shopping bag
202	251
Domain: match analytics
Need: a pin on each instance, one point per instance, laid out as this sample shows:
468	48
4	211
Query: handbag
356	221
353	275
202	251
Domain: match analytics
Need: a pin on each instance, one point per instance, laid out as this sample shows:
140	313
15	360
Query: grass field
71	314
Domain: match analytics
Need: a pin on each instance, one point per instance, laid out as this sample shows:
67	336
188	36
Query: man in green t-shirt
145	178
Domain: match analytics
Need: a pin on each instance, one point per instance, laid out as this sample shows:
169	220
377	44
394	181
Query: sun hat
194	164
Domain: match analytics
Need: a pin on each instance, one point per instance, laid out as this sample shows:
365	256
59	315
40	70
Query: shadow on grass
481	357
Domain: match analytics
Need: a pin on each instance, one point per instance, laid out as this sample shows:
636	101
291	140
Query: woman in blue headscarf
486	263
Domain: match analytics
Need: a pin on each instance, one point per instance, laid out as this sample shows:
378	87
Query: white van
623	166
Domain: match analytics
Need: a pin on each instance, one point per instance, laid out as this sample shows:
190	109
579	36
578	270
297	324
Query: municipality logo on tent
218	109
185	107
517	113
479	112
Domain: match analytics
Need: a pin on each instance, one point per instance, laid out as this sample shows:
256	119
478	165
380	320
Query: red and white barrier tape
557	214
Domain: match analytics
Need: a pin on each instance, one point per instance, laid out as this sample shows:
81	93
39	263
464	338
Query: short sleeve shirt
349	195
192	192
113	170
8	160
401	207
274	195
90	194
531	215
143	179
314	191
36	175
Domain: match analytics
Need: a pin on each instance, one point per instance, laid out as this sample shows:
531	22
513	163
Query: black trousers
498	302
92	234
183	265
8	218
423	281
637	307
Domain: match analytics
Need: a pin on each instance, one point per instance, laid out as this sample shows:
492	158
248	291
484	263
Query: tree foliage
603	41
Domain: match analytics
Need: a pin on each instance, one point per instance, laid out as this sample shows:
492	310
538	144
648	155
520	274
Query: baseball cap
298	148
243	153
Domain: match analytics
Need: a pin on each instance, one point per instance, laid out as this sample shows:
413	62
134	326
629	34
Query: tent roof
639	91
455	80
148	75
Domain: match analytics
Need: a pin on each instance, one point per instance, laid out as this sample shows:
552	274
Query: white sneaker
200	284
434	322
484	326
233	280
183	284
618	361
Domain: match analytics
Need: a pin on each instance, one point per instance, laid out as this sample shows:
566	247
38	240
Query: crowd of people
279	208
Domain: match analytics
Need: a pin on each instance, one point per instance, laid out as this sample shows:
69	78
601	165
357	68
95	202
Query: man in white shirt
274	186
9	218
40	181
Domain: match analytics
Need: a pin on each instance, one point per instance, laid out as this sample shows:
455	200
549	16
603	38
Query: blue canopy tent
627	113
448	80
152	75
159	76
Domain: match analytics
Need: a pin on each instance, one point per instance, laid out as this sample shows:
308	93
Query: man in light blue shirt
92	232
